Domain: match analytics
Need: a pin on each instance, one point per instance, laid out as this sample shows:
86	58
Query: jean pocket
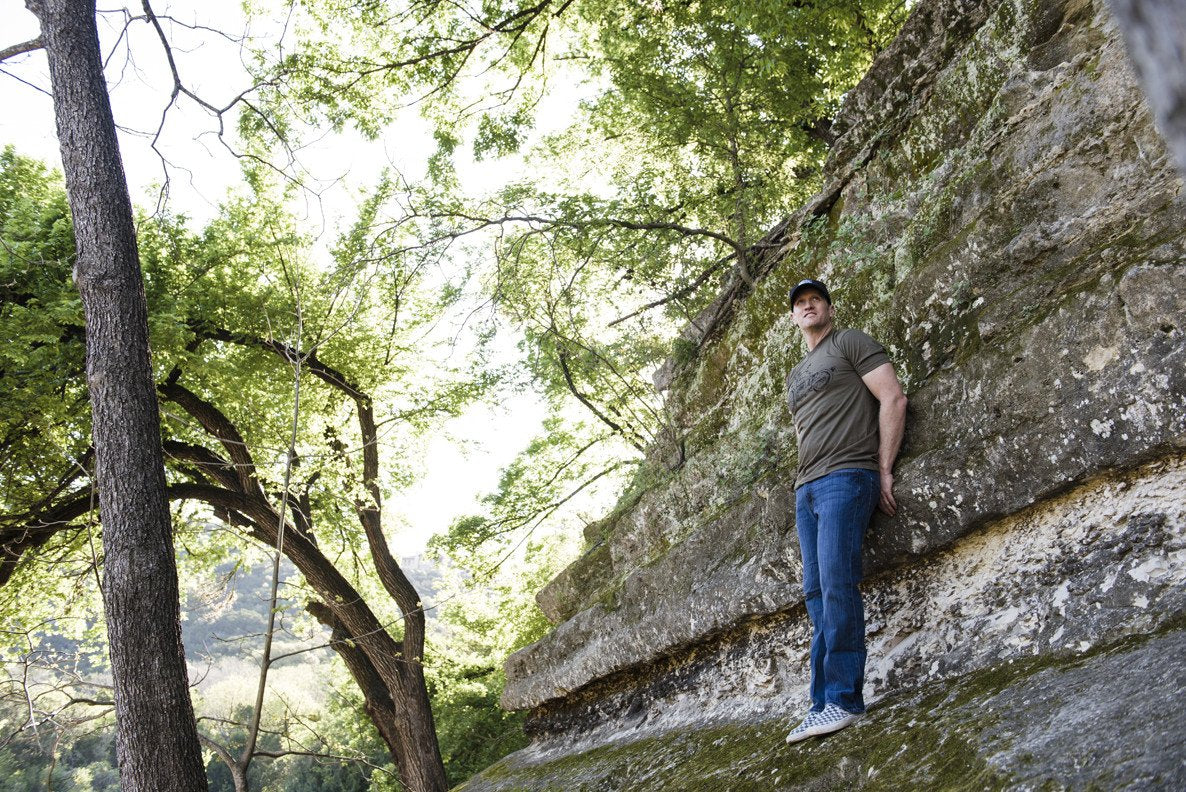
858	474
864	481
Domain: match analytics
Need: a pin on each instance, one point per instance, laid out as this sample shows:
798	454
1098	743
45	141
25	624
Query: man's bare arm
883	383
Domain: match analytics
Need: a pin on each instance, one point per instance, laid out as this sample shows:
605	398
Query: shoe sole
823	728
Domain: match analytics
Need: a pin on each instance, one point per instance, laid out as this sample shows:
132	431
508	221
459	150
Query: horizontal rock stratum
1000	211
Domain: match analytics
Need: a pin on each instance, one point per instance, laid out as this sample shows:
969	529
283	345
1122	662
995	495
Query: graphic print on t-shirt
807	381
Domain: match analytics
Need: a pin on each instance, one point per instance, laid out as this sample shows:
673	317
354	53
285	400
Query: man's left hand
887	504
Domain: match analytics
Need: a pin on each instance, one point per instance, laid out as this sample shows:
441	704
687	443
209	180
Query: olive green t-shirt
835	414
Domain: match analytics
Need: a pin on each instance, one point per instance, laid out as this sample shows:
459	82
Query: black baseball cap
808	283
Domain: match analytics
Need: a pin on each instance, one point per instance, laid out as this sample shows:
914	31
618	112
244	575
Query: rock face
1001	213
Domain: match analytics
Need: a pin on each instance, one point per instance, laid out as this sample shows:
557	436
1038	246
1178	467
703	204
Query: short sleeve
863	352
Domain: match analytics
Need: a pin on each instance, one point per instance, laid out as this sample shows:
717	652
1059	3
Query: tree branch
393	578
678	294
32	45
266	659
563	358
220	428
633	225
376	697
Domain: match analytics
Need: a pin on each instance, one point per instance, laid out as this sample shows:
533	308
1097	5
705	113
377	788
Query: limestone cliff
1000	211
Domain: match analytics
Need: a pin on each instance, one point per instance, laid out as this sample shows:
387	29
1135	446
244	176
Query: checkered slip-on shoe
831	719
806	728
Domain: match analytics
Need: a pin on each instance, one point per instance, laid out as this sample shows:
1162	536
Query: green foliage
724	98
357	64
44	421
480	622
703	124
489	610
683	351
41	319
558	468
347	731
83	759
217	298
499	136
304	773
245	275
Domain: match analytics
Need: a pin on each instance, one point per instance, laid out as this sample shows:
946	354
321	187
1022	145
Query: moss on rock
1040	723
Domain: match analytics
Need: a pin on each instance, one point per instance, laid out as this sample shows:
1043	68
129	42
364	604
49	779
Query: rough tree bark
422	768
156	737
1156	34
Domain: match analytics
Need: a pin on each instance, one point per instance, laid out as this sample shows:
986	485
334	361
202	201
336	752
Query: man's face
811	310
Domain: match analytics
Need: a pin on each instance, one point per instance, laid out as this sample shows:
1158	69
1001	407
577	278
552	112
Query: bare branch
238	774
633	225
266	660
32	45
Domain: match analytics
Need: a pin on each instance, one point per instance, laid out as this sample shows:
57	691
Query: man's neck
813	335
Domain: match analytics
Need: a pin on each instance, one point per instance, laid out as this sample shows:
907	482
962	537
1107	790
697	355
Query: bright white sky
204	171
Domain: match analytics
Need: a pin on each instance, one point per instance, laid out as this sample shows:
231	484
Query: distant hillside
224	617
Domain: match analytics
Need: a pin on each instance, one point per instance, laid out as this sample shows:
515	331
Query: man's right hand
887	503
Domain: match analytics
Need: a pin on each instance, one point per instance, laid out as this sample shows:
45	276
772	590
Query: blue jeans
831	514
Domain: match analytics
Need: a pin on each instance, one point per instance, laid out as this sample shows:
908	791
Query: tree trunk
1156	35
376	697
156	738
422	770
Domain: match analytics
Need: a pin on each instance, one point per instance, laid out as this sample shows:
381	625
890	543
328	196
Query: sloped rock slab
1109	719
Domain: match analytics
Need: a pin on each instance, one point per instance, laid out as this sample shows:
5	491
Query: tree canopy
235	308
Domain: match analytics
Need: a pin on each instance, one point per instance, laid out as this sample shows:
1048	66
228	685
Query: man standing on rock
849	413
